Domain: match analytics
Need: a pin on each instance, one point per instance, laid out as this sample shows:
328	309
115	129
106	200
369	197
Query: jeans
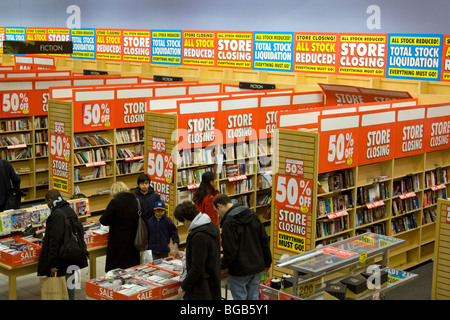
245	288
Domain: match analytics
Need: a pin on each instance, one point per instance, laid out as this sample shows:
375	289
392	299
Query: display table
314	271
13	272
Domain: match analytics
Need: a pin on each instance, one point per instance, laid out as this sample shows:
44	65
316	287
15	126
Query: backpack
141	239
74	250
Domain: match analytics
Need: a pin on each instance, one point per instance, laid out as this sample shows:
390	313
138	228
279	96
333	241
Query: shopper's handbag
54	288
141	239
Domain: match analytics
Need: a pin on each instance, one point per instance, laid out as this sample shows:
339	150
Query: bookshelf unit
395	197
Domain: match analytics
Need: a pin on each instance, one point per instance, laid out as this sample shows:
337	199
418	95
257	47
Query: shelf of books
24	123
230	136
379	170
97	136
441	281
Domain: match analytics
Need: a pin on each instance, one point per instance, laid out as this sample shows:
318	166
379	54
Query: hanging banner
273	51
83	43
166	47
15	34
234	49
415	57
108	44
315	52
199	48
136	45
293	203
409	132
362	54
129	113
445	73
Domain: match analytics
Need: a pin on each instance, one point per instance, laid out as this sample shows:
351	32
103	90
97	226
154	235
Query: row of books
264	164
379	228
15	140
406	184
264	181
263	199
40	122
402	206
244	199
126	167
131	135
333	204
41	136
236	186
41	150
198	156
329	227
264	147
94	173
89	141
366	216
16	154
191	176
232	170
239	150
123	153
338	180
404	223
430	197
93	155
429	216
435	177
374	192
15	125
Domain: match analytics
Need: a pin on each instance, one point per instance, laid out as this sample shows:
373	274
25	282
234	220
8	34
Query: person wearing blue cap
161	230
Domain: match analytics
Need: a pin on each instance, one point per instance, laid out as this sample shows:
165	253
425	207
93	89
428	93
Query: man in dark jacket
49	258
200	279
246	250
5	182
147	195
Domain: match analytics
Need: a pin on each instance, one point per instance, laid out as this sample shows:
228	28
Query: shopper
49	260
121	215
246	250
204	196
201	260
7	177
147	195
161	230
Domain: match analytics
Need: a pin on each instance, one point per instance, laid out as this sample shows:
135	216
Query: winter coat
159	234
148	201
11	176
122	218
54	238
202	260
245	243
207	206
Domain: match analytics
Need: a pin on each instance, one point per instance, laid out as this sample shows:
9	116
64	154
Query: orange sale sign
409	132
199	48
437	127
234	49
60	157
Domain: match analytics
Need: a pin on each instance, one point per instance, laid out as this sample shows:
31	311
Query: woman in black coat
122	218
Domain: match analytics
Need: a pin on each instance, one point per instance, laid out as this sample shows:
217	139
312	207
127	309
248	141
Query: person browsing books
161	230
7	177
246	249
204	196
200	278
147	195
121	215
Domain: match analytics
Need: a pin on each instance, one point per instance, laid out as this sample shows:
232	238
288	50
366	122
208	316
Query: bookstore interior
345	161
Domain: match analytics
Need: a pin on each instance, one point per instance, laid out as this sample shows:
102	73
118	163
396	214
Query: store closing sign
160	170
293	203
437	127
234	49
60	159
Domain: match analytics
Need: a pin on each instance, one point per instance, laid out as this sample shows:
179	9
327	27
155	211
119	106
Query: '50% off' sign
160	166
294	192
60	147
96	115
15	103
341	149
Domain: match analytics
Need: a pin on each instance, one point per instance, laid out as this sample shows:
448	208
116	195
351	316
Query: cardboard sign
234	49
166	47
199	48
445	72
376	143
437	127
108	44
273	51
60	147
409	132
